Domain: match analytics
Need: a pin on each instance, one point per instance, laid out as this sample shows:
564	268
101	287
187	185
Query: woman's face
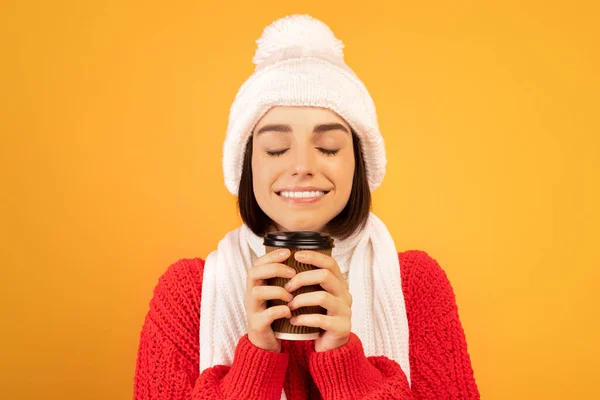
302	166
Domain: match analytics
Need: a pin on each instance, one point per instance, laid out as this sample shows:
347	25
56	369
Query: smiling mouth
308	194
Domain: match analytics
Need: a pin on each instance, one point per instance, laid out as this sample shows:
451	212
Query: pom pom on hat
300	62
298	34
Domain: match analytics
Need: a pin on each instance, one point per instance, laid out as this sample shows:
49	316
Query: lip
302	189
303	200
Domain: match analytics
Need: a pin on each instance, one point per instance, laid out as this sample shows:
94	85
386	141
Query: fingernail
282	252
293	321
300	256
288	286
292	271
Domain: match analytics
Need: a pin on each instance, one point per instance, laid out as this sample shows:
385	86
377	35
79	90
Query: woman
303	152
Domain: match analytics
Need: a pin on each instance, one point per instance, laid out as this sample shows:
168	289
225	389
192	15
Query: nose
303	164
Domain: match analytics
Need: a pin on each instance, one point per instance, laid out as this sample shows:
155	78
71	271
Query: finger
268	271
263	320
334	305
275	256
319	260
260	294
338	325
321	277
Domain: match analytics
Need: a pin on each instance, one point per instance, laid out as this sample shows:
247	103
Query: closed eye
328	152
276	153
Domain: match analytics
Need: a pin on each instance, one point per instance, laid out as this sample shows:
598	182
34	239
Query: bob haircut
352	218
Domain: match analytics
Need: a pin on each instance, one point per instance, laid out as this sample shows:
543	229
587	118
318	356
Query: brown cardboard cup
282	327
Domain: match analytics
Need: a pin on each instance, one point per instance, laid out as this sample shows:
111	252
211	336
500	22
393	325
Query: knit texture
168	356
369	262
300	62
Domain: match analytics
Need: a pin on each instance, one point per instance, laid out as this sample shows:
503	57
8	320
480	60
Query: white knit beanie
300	62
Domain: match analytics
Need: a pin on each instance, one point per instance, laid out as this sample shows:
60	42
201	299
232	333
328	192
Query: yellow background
113	116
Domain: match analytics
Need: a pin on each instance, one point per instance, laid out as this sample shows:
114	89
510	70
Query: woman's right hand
255	300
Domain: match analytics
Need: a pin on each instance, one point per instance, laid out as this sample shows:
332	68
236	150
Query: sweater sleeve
345	373
440	364
168	355
439	360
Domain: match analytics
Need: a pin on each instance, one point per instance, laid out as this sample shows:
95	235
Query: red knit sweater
168	356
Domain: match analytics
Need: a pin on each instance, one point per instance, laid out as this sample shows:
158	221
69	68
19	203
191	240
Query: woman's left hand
335	298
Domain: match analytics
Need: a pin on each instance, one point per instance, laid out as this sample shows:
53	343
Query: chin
297	226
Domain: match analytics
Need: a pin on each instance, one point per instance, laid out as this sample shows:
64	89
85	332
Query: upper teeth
302	194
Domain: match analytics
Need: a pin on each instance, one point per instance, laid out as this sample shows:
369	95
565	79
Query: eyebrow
320	128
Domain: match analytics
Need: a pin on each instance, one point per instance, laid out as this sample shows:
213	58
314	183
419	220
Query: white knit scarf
369	262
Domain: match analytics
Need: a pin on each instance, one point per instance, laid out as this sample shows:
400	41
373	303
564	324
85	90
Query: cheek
263	176
342	175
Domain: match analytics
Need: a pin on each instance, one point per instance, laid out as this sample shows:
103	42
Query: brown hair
351	218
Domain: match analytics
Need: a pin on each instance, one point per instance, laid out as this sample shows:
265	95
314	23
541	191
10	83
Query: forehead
298	116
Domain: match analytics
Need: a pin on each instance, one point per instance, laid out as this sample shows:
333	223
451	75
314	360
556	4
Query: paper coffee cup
297	241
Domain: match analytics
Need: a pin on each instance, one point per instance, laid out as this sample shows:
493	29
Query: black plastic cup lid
298	240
